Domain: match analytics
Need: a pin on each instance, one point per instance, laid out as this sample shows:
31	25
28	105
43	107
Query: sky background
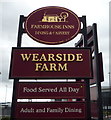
96	11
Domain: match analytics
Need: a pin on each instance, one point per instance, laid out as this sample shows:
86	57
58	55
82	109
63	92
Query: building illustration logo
55	18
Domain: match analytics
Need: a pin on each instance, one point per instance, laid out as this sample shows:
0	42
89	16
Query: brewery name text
50	29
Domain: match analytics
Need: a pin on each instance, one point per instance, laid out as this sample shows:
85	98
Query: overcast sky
96	11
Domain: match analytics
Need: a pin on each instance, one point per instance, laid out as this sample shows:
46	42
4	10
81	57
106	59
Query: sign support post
16	80
98	82
86	80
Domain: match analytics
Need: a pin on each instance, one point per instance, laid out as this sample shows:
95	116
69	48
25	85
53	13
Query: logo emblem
52	25
55	17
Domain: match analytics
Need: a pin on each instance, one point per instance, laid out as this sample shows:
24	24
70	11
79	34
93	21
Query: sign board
50	90
50	110
52	25
50	63
101	72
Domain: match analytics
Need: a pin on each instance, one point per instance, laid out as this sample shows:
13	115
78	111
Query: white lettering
71	89
25	89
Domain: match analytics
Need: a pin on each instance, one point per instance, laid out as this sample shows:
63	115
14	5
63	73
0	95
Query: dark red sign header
50	63
52	25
